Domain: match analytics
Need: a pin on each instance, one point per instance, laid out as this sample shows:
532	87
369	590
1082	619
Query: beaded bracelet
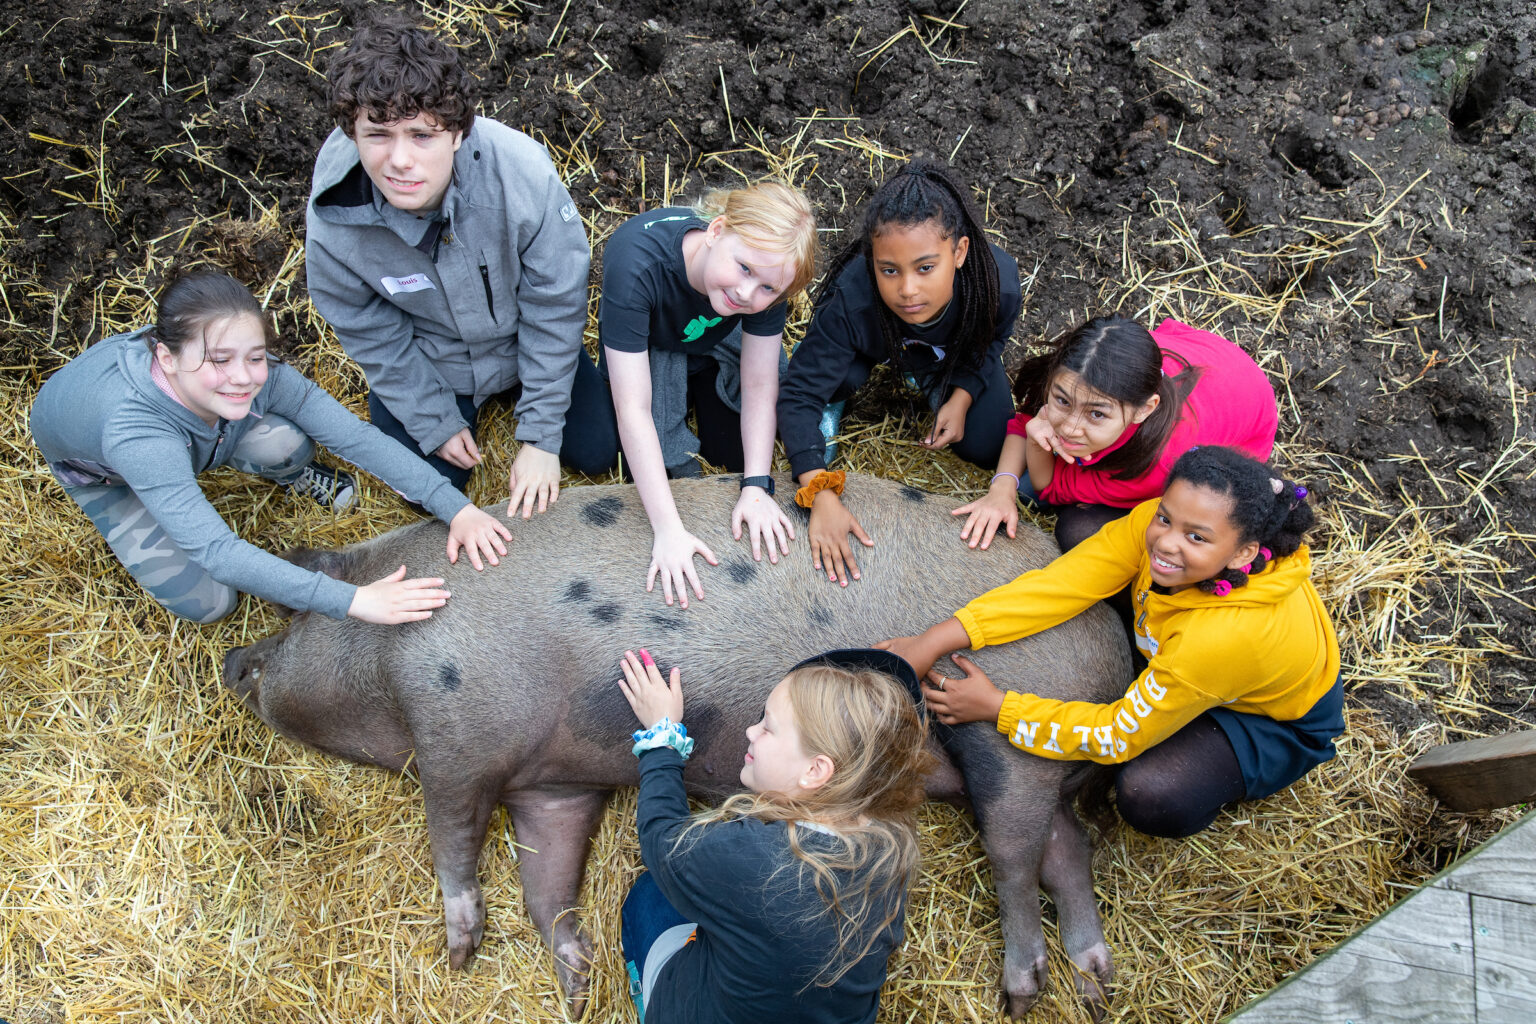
827	479
665	733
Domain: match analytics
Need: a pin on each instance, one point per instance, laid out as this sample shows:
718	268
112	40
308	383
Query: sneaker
831	422
331	488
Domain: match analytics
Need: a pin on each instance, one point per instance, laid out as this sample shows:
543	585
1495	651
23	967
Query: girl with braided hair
1241	695
920	287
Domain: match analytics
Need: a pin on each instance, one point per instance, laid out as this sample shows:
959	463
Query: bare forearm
642	449
1042	466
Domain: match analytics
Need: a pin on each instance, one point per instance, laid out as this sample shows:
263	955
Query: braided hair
919	192
1266	507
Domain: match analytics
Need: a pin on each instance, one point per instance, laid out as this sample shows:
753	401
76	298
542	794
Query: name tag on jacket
413	283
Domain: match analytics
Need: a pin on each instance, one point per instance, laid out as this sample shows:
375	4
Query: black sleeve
703	880
816	370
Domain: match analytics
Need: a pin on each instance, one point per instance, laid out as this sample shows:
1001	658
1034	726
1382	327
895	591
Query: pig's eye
255	673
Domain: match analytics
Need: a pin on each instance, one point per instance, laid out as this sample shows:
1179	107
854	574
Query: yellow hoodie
1267	648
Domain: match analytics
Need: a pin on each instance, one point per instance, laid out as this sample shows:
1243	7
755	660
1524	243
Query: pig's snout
242	675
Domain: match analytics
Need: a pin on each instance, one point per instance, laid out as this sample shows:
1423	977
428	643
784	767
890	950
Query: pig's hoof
573	968
1023	989
1095	973
465	915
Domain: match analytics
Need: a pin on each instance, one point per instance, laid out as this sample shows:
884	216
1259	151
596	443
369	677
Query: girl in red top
1108	412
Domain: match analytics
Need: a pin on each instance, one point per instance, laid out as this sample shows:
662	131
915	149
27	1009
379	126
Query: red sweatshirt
1232	404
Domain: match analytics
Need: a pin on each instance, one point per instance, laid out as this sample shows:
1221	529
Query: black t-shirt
761	935
647	301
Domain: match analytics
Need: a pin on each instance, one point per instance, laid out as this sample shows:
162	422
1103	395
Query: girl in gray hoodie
128	425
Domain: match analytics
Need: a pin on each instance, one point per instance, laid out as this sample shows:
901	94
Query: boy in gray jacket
451	262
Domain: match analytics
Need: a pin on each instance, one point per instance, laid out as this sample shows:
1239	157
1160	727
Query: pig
509	693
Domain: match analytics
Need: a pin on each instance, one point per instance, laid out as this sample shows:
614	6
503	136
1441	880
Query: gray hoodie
492	291
103	409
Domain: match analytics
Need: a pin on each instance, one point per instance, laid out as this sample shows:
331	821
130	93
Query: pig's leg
555	832
458	811
1013	797
1067	874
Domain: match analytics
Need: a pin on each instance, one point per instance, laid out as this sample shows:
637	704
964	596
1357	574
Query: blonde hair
866	724
770	216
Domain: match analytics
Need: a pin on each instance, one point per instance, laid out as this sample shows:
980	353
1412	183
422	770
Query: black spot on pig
669	623
741	570
599	713
448	677
702	721
605	612
819	616
913	494
602	512
578	590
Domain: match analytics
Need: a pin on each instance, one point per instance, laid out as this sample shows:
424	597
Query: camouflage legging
275	449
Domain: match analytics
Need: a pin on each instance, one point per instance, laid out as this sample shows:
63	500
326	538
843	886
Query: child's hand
831	523
535	475
765	523
650	697
672	560
971	698
479	533
949	422
1039	431
395	599
998	507
460	450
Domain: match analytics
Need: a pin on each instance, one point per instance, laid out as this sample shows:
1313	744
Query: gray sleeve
161	476
552	313
379	338
327	421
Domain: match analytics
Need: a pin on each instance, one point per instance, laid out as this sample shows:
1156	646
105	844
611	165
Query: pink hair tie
1222	588
1245	570
1268	554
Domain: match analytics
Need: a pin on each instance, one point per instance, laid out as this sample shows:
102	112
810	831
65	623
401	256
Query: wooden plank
1480	774
1414	963
1504	948
1504	867
1343	987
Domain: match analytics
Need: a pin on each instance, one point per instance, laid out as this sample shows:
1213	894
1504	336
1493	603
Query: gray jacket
501	295
101	419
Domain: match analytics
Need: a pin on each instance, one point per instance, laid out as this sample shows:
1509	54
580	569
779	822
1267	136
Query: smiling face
1191	537
218	376
775	761
1087	421
915	268
410	162
738	278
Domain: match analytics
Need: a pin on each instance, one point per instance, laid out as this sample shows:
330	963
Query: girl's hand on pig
998	507
479	533
831	523
672	560
929	646
535	475
765	523
971	698
650	697
395	599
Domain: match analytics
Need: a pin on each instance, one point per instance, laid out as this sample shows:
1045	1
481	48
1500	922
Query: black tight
1177	788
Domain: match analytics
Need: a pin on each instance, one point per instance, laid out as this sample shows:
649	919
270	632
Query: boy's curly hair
392	71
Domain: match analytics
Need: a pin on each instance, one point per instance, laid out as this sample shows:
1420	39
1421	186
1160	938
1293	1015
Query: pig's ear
329	561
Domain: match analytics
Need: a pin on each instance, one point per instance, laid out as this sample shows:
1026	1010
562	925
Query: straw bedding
165	857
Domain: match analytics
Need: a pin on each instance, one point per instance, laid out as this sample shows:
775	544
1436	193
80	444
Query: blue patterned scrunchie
665	733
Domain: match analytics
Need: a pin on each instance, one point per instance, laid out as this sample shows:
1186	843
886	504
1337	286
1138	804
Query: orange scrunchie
826	479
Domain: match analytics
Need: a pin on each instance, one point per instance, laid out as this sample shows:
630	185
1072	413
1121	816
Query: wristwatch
765	482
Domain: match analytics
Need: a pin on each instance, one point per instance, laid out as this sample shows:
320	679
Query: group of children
452	264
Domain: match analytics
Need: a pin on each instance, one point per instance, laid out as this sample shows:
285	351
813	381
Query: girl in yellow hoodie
1241	693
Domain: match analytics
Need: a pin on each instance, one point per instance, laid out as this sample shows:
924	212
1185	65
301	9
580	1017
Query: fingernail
645	656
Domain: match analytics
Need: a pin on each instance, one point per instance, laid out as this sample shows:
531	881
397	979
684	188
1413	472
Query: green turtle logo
697	326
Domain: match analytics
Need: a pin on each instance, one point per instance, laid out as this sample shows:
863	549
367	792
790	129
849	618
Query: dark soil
1279	126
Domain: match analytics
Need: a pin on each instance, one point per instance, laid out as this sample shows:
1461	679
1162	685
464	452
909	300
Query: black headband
857	659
